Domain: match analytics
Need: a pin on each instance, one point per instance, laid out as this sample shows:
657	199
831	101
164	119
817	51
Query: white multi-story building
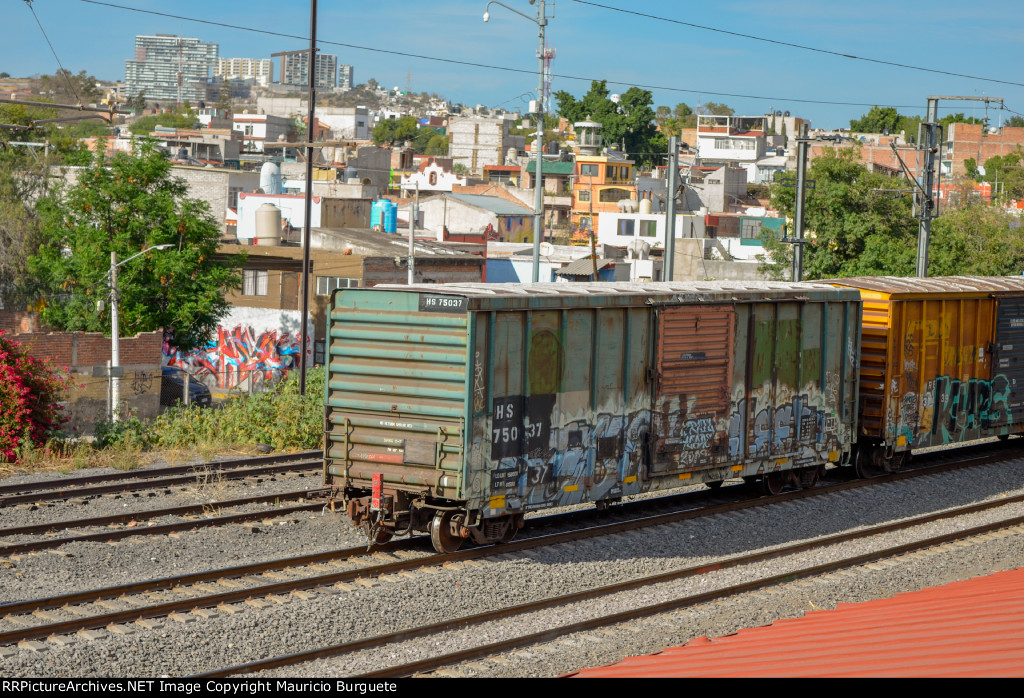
258	129
259	70
346	79
346	123
295	68
170	68
737	141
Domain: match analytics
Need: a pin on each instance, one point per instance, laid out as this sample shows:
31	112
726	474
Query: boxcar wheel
441	533
864	462
772	483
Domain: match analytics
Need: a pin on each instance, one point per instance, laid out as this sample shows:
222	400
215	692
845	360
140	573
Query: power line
796	46
473	64
53	51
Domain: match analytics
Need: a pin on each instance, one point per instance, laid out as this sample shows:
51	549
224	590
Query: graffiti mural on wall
238	353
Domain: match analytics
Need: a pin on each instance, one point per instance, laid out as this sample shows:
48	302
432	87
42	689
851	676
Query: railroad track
389	644
156	478
210	513
265	583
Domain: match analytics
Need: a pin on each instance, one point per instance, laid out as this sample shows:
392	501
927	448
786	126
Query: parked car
172	389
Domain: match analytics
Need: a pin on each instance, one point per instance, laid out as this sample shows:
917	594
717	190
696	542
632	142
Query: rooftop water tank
268	226
384	216
270	178
645	205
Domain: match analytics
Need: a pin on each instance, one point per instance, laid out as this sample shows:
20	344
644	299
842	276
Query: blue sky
678	63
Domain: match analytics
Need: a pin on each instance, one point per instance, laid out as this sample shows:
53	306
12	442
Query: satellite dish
547	249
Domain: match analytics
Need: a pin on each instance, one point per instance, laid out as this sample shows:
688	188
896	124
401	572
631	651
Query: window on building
254	282
750	229
433	179
248	129
584	195
626	227
610	196
233	196
611	171
648	229
325	285
588	170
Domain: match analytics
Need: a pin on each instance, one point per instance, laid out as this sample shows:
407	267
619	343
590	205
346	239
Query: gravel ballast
284	626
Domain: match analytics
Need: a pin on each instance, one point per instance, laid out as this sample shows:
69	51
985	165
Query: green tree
1005	172
852	228
224	96
127	204
395	131
24	178
877	120
147	124
64	87
976	239
630	121
1015	121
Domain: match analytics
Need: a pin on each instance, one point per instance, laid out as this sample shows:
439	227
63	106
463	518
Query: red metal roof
971	628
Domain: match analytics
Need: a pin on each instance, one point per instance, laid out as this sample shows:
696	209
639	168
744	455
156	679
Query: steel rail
237	595
105	536
66	483
433	663
150	484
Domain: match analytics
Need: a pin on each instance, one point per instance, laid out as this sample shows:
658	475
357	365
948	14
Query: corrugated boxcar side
940	388
755	386
397	392
560	410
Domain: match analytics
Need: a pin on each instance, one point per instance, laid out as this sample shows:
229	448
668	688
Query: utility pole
414	210
798	214
310	132
668	264
928	139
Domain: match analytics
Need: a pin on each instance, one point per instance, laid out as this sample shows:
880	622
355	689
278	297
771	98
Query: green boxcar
469	405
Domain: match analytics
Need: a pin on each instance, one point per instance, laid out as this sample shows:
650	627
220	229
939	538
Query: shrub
280	417
30	390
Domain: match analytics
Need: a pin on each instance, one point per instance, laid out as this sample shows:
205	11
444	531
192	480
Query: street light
115	349
541	21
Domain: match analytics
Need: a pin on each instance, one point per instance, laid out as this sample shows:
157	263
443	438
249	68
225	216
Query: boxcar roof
906	286
655	291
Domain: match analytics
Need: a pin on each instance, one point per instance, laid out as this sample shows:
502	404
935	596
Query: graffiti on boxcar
479	395
781	429
963	407
548	464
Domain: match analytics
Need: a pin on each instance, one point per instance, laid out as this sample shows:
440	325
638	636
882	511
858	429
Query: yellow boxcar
939	360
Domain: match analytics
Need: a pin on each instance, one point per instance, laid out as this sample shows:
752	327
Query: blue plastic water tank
384	215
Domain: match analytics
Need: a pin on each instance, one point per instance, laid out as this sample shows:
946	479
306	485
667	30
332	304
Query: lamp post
541	21
115	349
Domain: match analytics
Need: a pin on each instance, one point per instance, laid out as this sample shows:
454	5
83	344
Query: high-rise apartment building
345	78
170	68
295	68
259	70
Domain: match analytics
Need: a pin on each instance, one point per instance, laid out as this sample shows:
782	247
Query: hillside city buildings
170	68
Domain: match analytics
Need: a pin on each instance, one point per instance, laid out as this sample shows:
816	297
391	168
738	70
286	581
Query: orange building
599	182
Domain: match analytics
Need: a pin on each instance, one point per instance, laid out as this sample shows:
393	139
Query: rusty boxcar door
692	382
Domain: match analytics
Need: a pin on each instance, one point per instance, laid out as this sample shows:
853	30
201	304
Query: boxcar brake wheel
441	533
